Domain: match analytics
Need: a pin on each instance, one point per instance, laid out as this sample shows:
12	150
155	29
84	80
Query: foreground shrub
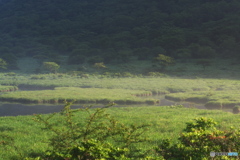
199	139
99	136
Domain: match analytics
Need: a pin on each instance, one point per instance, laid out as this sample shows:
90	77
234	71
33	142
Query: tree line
110	30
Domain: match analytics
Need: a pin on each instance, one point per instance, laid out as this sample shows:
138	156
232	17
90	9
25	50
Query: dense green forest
115	30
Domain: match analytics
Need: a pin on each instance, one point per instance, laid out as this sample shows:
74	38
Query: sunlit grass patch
211	99
195	90
80	95
8	88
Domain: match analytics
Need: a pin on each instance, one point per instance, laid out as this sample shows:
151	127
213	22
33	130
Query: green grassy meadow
177	83
166	122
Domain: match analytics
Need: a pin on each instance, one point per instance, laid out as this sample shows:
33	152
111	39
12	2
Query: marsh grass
79	95
8	88
154	84
166	122
213	99
213	92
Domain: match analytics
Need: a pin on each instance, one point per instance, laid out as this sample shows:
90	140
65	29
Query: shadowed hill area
111	30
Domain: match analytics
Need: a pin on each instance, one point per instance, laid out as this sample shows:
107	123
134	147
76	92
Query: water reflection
15	109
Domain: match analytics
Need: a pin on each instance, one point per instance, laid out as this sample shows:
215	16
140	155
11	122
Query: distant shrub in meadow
3	64
100	65
51	66
163	61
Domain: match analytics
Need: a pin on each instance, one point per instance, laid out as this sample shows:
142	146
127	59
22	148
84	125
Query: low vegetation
211	99
113	132
79	95
215	93
150	83
8	88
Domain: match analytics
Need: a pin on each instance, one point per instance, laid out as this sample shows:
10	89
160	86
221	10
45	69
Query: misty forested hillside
109	30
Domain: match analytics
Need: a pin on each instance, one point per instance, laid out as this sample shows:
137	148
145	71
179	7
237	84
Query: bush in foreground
200	138
99	136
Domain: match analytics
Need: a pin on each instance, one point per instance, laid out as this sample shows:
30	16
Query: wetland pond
16	109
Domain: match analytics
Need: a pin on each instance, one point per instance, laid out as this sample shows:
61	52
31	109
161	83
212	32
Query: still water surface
15	109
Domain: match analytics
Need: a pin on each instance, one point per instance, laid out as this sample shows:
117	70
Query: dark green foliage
163	61
123	56
109	55
204	52
184	53
204	63
98	136
85	26
198	51
95	59
142	53
76	59
40	57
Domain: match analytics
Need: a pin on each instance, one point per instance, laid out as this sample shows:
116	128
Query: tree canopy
109	28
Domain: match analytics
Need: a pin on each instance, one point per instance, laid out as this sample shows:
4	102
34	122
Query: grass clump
8	88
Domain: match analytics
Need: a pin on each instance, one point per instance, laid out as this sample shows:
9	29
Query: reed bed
8	88
80	95
211	99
